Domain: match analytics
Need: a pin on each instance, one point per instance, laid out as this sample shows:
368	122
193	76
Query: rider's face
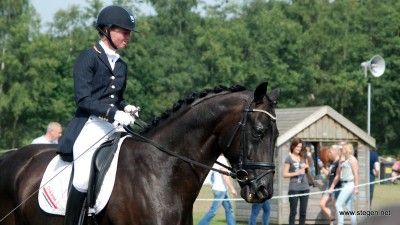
120	37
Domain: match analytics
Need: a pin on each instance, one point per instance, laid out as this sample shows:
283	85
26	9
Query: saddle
56	184
101	162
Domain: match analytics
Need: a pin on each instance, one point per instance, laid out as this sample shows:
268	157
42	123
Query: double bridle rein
241	174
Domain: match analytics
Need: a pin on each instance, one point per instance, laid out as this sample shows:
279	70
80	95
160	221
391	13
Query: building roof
292	121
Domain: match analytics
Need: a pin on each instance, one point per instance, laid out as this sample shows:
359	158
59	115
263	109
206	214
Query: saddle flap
101	162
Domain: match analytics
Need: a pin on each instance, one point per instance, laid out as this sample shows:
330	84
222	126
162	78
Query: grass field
385	194
201	207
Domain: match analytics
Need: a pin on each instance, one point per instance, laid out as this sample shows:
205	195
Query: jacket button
113	86
111	96
112	77
112	105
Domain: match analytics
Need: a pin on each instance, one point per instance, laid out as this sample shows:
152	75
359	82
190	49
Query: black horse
151	186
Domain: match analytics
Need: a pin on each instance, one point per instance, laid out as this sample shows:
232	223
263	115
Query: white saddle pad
53	192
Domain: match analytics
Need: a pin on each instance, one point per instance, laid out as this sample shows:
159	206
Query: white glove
123	118
131	108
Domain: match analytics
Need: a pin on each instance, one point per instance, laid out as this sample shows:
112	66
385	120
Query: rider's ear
260	92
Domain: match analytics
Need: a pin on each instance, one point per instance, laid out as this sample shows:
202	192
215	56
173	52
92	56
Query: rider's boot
75	211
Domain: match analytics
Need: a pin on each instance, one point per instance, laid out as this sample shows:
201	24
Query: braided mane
189	100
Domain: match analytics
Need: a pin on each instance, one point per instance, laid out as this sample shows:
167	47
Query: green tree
16	78
311	49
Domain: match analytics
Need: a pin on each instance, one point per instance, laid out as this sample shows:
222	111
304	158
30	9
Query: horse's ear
260	92
274	95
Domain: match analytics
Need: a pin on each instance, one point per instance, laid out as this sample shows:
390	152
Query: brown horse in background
324	155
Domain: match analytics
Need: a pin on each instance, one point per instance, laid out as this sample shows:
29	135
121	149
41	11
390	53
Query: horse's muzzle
256	192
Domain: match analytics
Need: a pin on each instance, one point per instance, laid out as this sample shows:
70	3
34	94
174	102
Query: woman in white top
220	185
348	175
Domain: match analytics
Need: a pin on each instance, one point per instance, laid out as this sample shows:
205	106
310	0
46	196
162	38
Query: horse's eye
257	132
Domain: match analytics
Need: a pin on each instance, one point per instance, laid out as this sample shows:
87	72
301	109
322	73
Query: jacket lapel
118	65
102	55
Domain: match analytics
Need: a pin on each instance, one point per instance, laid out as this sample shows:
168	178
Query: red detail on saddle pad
49	198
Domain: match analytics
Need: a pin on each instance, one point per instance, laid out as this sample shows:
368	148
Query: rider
99	84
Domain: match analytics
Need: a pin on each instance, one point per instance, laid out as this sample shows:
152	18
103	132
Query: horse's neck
195	130
194	133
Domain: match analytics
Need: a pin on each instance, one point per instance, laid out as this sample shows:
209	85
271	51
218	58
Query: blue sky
47	8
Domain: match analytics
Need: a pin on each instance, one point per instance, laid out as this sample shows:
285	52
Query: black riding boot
75	211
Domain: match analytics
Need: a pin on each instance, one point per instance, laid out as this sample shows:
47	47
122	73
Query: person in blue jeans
347	173
374	166
255	209
220	185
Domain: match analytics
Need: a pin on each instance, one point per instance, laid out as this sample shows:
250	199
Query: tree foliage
311	49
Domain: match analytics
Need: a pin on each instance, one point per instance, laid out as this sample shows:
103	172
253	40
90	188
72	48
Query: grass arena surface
384	194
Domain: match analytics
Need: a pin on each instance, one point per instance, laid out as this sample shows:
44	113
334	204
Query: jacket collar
103	57
111	54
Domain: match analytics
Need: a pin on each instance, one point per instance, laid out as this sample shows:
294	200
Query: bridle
241	173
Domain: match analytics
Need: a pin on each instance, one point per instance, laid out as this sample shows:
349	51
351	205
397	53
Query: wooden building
316	126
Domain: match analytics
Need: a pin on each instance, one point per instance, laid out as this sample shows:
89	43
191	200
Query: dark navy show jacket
98	91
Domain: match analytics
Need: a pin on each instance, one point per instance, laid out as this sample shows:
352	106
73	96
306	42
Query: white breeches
94	133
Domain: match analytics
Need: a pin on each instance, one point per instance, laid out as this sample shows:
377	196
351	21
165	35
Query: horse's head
251	144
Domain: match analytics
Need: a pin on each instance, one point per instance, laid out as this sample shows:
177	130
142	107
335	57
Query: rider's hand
123	118
132	109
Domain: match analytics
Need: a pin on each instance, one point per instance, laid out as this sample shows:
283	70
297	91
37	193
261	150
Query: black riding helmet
115	15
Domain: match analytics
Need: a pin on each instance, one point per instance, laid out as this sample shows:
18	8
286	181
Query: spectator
347	173
374	166
255	209
306	154
295	168
220	185
396	171
310	159
53	133
330	173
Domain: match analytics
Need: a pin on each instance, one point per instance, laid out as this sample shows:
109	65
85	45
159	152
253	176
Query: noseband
242	174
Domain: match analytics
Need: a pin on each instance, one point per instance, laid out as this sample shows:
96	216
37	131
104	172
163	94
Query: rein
166	150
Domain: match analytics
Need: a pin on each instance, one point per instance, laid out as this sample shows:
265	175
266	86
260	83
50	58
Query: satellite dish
376	65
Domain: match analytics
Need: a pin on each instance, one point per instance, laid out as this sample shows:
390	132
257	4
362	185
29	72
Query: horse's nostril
262	192
265	192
